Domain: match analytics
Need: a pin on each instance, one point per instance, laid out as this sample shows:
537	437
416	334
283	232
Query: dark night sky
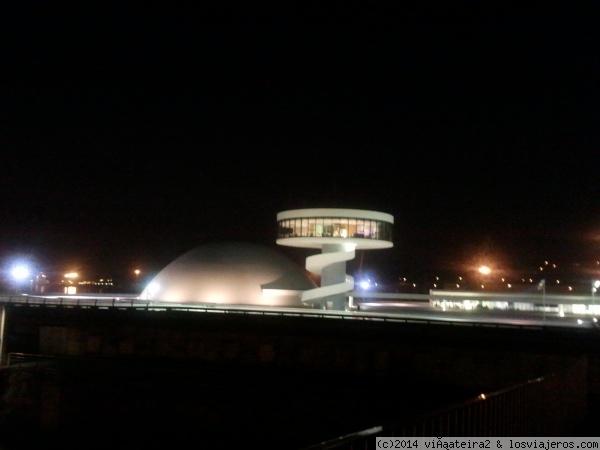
132	132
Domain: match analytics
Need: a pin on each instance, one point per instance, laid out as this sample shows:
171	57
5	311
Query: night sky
132	132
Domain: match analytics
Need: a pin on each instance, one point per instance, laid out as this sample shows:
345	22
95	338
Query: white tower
338	233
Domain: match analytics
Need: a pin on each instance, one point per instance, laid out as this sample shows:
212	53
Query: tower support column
332	274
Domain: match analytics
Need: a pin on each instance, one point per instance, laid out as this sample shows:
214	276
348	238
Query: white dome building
234	273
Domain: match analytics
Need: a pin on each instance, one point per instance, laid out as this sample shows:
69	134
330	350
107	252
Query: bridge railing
553	405
137	304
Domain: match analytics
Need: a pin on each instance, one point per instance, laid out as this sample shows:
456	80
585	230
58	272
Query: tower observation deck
338	233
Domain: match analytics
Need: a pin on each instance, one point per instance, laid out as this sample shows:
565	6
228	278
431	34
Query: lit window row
335	227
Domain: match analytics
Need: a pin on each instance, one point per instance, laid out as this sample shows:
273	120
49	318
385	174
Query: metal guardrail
82	302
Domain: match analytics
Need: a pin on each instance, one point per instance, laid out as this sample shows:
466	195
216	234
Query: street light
595	286
136	280
19	273
484	270
542	287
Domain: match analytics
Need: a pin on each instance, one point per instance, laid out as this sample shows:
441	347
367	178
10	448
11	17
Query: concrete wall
464	357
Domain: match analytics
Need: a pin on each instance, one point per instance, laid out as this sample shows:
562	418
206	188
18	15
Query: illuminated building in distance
338	233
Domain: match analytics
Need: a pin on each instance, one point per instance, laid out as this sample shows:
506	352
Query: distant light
485	270
365	285
20	272
597	284
71	275
579	321
482	396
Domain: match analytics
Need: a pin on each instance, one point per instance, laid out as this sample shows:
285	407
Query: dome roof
231	273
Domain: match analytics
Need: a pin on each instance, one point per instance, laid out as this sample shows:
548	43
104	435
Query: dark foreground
206	406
